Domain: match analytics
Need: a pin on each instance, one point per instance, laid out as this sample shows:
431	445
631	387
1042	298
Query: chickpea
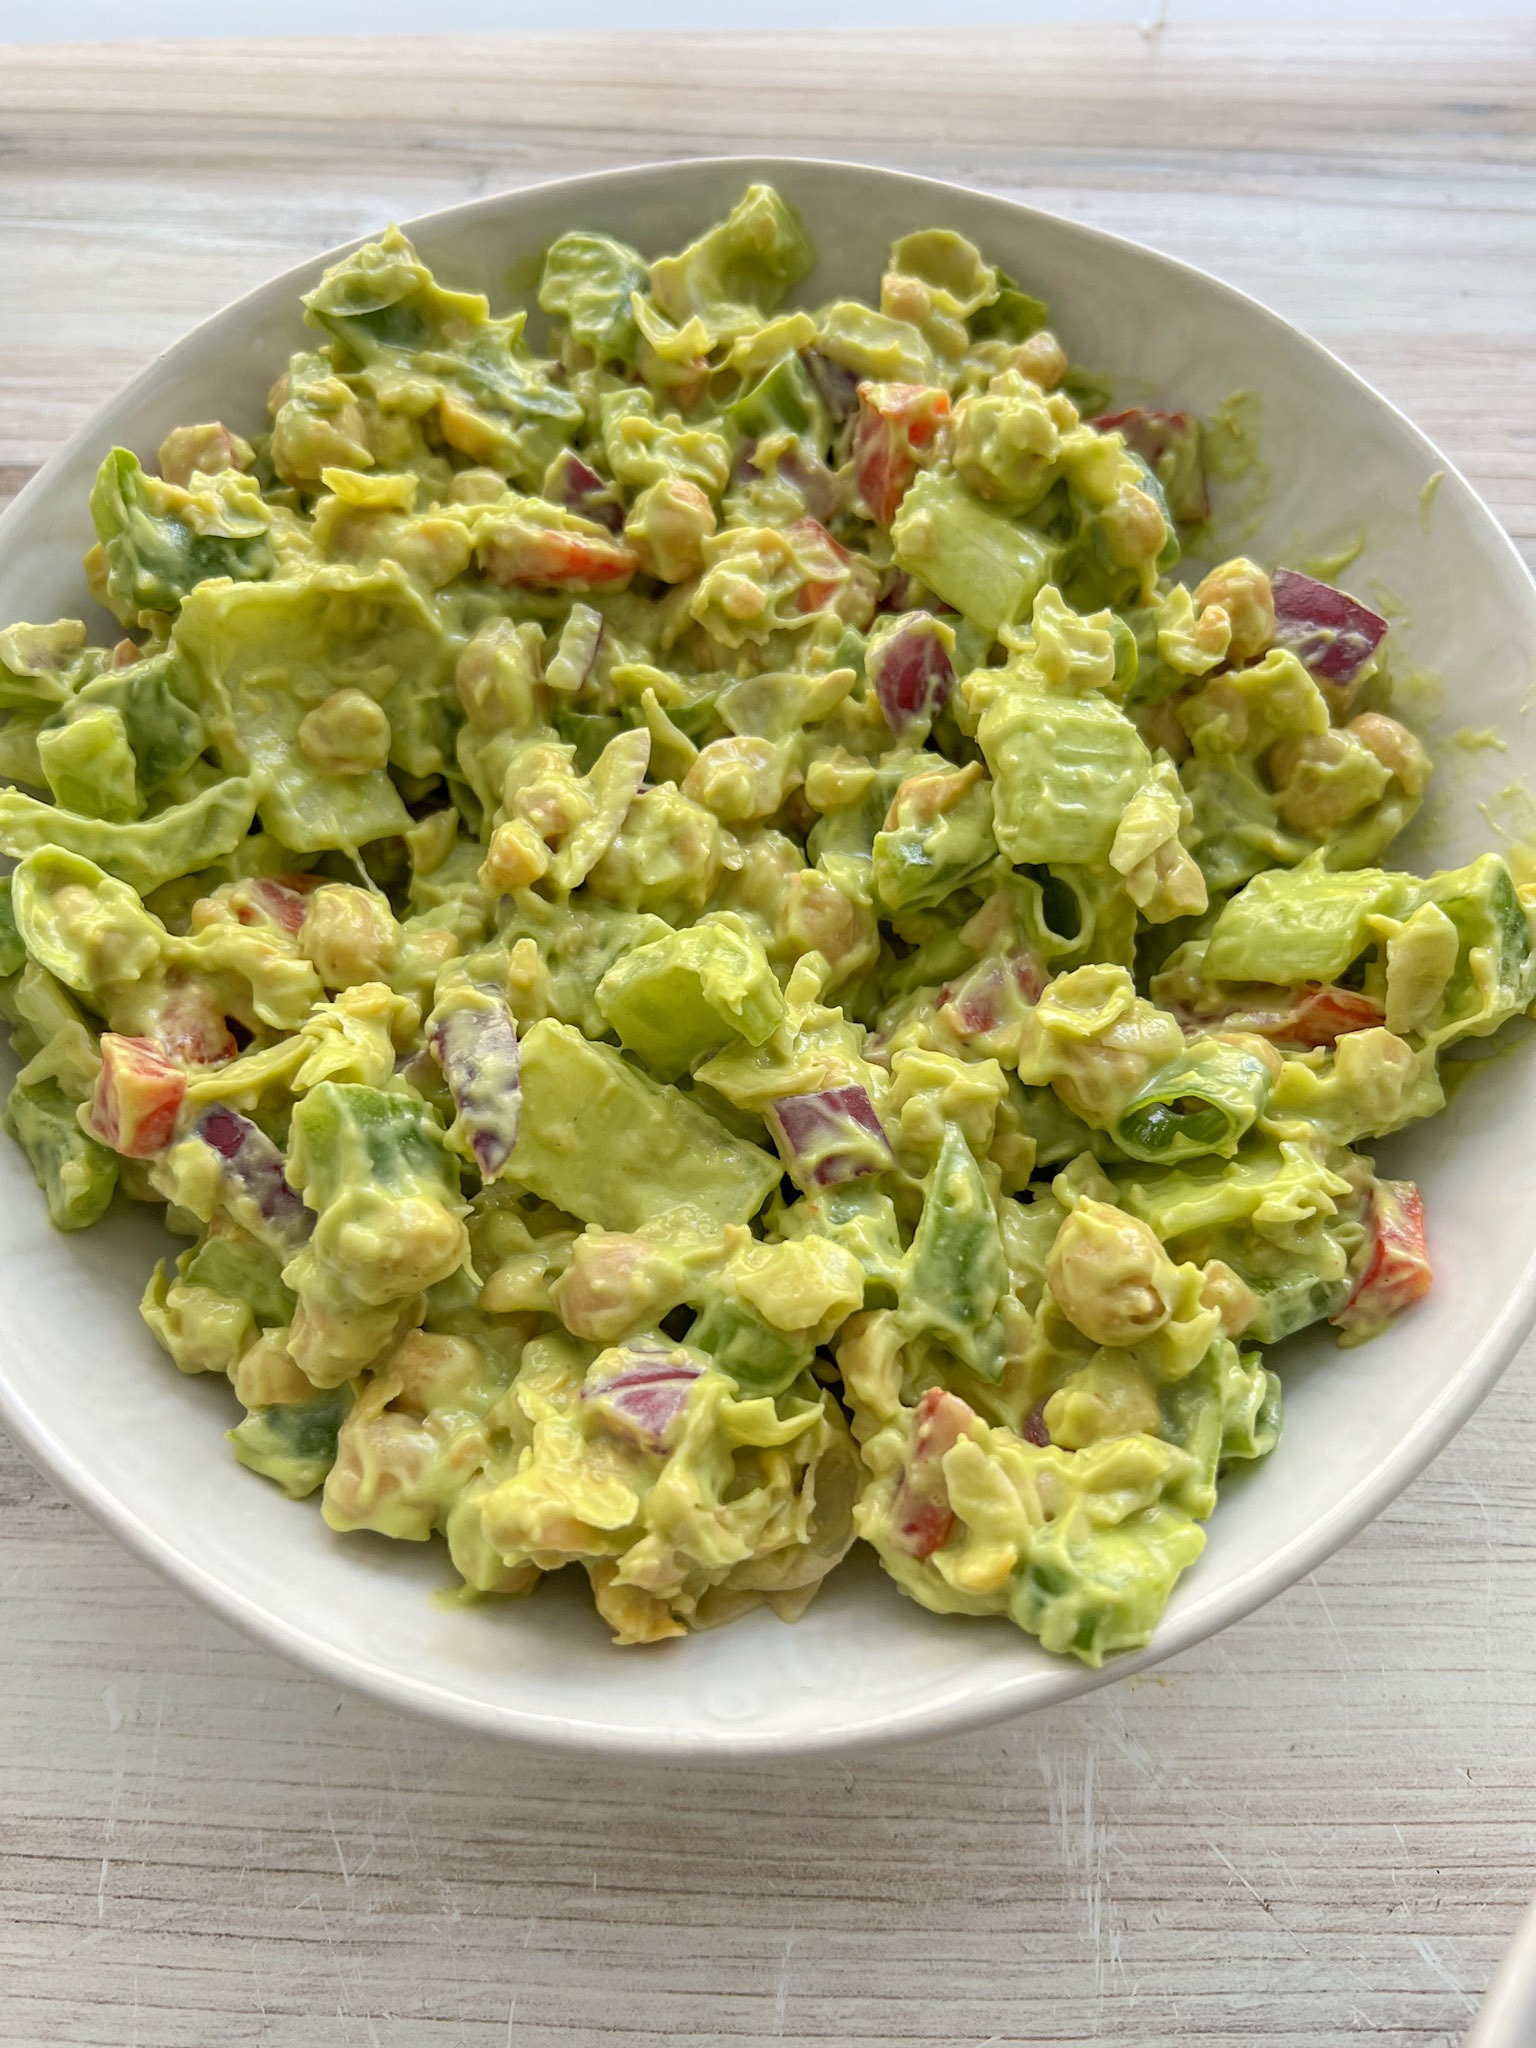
1110	1276
516	857
1134	527
1242	590
814	916
204	450
1229	1294
1042	359
667	528
615	1280
396	1246
348	935
346	735
1398	750
1324	778
741	779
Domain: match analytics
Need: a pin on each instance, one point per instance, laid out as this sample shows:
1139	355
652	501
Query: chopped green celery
75	1173
1481	902
577	943
604	1142
146	853
759	1358
156	553
1063	770
745	263
347	1136
988	567
1092	1589
873	344
273	653
1301	924
588	732
956	1273
862	1219
41	667
588	280
1229	1407
1236	827
164	723
89	763
688	994
1014	315
13	954
1202	1102
86	928
919	864
230	1261
293	1445
1291	1297
1274	1186
784	399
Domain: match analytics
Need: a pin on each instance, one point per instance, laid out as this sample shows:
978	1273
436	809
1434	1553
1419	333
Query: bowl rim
955	1709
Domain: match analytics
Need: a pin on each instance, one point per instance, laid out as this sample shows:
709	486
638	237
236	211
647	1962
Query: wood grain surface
1316	1829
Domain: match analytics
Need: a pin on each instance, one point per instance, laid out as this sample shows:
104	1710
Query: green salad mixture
710	953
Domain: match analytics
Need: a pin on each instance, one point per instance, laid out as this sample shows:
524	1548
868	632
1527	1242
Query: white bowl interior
86	1390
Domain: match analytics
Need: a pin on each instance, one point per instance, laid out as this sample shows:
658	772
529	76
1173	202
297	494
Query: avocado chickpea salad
712	956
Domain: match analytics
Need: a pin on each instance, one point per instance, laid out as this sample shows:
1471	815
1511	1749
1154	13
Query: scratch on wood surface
1452	1983
781	1986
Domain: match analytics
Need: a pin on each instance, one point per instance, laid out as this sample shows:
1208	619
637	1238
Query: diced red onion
578	487
983	1000
476	1047
1331	633
912	673
830	1135
649	1395
254	1165
1150	435
838	388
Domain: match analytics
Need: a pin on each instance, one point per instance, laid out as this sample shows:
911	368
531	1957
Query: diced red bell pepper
519	552
1175	436
138	1097
896	434
1319	1016
1398	1272
1328	631
921	1515
848	583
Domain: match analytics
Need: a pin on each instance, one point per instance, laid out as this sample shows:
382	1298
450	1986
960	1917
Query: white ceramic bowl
90	1397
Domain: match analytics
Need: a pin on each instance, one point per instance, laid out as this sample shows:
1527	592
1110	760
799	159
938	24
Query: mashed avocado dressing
711	954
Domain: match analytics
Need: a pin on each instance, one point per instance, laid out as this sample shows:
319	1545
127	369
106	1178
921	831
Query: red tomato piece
519	552
138	1097
1321	1015
921	1514
896	433
1398	1272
